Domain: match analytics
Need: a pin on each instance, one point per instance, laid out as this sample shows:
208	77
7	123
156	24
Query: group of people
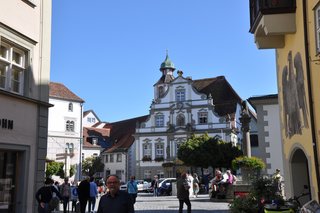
221	182
114	200
51	194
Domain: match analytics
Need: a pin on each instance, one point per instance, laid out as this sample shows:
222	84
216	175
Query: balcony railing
258	8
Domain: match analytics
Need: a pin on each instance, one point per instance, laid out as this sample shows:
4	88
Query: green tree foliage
253	163
73	170
92	165
204	151
53	168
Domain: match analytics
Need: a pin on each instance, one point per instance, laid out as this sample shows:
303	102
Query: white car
123	186
143	186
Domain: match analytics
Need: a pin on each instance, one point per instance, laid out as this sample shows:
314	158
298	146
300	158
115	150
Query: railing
264	7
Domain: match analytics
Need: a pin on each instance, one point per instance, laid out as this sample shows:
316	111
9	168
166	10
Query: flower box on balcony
146	158
158	159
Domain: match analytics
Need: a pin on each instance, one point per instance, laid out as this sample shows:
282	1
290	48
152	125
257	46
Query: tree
92	165
204	151
53	168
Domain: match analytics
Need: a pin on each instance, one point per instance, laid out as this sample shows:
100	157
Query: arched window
69	126
70	107
160	92
180	120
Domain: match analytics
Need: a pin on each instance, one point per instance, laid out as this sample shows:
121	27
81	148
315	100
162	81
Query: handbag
54	202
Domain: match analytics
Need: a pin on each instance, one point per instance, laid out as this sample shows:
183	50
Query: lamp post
245	121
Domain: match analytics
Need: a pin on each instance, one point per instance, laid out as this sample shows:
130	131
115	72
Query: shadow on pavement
175	211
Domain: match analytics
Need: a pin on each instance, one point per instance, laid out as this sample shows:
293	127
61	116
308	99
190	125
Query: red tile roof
223	95
91	131
60	91
122	133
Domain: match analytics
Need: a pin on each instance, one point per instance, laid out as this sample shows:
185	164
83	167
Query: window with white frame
147	149
106	158
159	150
147	174
70	107
119	173
119	158
159	119
180	94
317	20
69	126
160	174
12	66
180	120
203	117
71	148
111	158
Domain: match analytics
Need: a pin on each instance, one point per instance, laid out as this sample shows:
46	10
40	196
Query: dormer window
70	107
180	95
94	141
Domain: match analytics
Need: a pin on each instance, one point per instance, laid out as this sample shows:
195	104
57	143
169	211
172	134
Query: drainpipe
311	107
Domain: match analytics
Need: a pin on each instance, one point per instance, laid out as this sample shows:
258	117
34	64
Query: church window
159	150
147	149
70	107
180	120
180	94
159	120
203	117
69	126
161	91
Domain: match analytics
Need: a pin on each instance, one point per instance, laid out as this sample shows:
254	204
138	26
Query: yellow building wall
294	103
294	98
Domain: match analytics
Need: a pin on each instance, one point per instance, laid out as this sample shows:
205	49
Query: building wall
60	141
298	137
29	27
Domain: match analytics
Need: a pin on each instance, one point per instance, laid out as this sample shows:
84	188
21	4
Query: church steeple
167	64
167	68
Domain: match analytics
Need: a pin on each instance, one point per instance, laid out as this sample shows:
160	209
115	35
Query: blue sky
108	52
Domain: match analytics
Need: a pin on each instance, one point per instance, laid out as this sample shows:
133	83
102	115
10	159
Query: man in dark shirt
84	194
183	193
44	195
115	201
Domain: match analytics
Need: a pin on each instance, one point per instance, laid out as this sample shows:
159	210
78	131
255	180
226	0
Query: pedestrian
57	186
190	182
195	183
277	182
183	192
132	189
84	194
74	196
155	185
65	191
93	195
44	196
115	201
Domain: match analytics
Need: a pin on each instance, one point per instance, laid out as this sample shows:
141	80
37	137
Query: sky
108	52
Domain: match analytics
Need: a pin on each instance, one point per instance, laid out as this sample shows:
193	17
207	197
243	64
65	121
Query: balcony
271	20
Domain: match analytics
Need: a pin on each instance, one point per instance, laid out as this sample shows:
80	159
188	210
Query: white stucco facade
64	145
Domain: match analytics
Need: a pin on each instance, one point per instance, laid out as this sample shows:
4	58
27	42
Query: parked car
165	186
123	186
143	186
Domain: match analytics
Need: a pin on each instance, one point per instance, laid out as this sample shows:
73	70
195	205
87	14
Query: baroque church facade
182	107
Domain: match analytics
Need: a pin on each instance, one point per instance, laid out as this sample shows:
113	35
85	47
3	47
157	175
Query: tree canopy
92	165
204	151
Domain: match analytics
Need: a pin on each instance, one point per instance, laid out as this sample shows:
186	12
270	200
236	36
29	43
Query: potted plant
250	167
158	159
146	158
